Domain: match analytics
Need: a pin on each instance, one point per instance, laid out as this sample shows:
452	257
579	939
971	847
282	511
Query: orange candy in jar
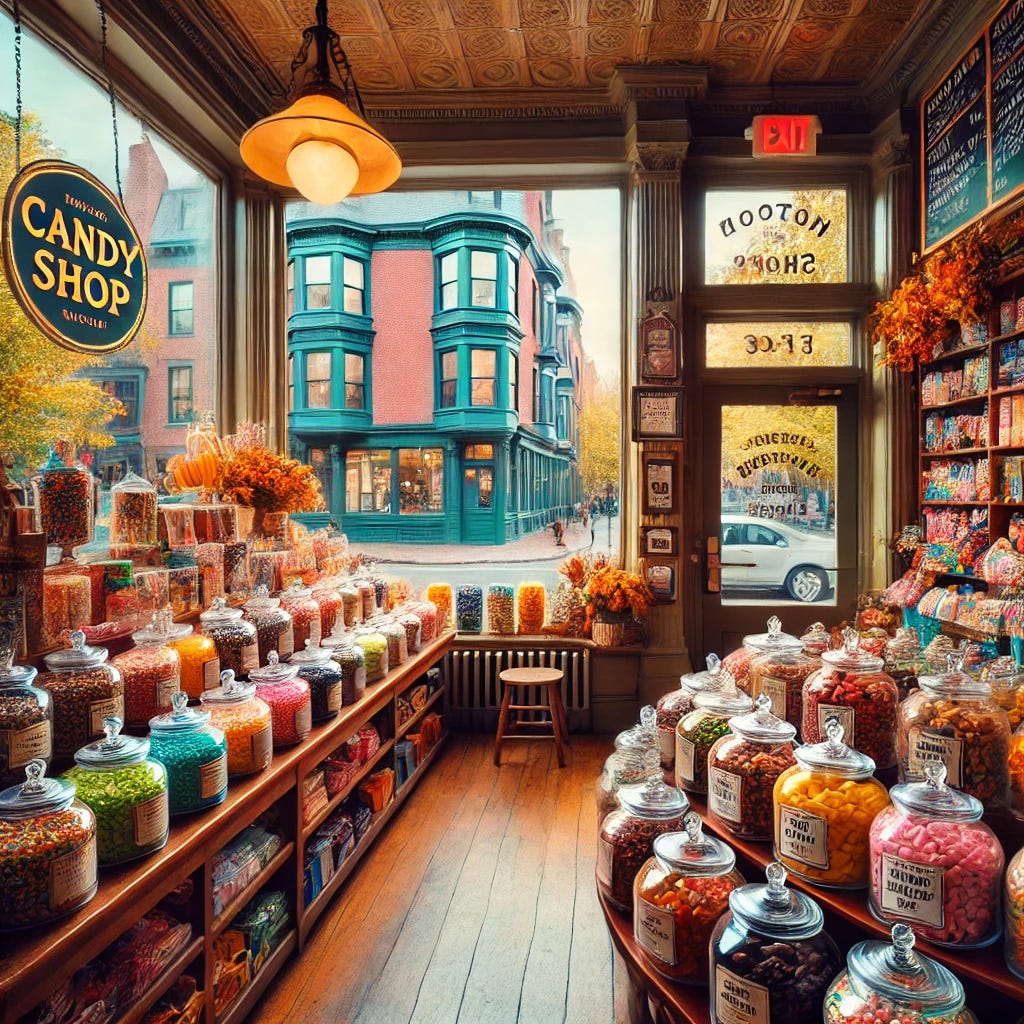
200	663
441	596
150	671
779	671
245	721
532	608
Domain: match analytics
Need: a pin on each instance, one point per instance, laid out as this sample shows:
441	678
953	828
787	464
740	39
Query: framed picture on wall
657	413
661	581
659	348
658	540
659	483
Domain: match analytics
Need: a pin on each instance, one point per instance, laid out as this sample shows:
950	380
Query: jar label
847	719
149	820
213	777
925	746
654	929
286	641
165	689
303	720
684	759
314	631
262	747
803	836
667	745
25	744
72	876
725	793
604	862
775	689
211	674
334	696
912	891
106	708
250	657
738	1001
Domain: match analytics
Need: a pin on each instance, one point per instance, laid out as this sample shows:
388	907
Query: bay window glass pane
483	278
291	382
318	282
483	370
355	395
420	478
182	307
450	280
449	379
776	236
318	380
513	381
355	287
768	345
513	284
290	288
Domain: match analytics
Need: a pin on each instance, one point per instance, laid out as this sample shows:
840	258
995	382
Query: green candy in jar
375	652
127	791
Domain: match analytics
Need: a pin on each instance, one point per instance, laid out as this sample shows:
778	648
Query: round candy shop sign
73	259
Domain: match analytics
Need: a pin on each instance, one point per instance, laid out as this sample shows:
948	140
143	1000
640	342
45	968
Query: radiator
475	690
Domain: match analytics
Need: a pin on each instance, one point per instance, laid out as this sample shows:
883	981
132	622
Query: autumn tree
600	434
41	398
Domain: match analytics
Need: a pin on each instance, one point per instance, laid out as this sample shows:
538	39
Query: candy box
238	863
378	789
318	867
362	745
231	968
314	794
261	924
359	813
405	760
338	774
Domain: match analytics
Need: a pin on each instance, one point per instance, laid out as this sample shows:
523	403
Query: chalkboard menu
972	129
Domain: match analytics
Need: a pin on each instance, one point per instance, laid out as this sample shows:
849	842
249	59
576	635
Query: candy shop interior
673	352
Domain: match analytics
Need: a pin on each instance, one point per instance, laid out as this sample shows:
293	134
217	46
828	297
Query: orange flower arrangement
616	595
257	477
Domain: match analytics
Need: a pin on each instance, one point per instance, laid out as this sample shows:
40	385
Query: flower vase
607	634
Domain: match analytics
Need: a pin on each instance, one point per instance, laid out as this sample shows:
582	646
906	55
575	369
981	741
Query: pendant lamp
318	144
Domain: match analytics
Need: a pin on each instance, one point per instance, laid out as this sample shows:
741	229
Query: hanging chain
17	88
113	98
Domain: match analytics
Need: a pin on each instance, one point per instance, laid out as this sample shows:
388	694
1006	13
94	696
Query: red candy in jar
298	601
935	864
287	695
851	685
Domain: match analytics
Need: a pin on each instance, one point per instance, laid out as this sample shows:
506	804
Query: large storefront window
420	479
368	481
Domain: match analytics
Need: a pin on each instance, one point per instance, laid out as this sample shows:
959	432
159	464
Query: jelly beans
65	504
469	608
866	705
501	609
290	709
200	663
245	721
67	604
413	630
375	653
330	602
151	677
237	646
305	612
132	519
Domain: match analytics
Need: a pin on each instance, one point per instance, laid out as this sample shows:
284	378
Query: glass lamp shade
274	146
324	172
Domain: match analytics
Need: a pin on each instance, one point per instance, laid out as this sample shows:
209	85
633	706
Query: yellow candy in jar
200	663
245	721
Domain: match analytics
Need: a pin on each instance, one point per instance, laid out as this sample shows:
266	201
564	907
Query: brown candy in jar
673	705
774	640
779	672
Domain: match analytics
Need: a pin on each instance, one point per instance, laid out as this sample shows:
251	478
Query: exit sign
785	135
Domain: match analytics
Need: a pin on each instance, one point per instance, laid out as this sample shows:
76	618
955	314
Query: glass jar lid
774	640
313	654
850	657
218	614
694	682
14	675
653	798
339	637
956	681
833	756
934	799
296	591
641	735
160	630
774	909
692	852
261	598
114	750
36	795
899	974
722	696
817	638
131	481
79	656
230	691
275	671
761	726
181	718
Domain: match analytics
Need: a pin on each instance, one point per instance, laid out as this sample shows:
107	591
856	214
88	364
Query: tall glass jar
469	608
1015	770
885	982
195	754
742	768
151	671
398	646
127	791
349	656
824	806
26	720
351	605
738	662
274	631
676	703
84	689
287	695
367	599
237	645
298	601
634	759
427	614
935	864
779	670
697	731
200	662
770	959
679	895
1006	677
501	609
375	652
441	596
1013	904
245	719
65	504
852	686
413	631
47	850
904	660
329	600
954	718
132	517
325	677
646	810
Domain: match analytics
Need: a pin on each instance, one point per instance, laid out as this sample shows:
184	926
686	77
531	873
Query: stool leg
506	699
561	713
557	726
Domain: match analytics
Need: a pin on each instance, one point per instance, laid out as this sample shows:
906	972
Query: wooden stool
551	678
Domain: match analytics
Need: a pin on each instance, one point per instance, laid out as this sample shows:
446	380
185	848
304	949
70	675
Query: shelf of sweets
959	353
952	452
953	402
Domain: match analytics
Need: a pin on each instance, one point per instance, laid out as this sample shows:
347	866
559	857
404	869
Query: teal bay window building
436	364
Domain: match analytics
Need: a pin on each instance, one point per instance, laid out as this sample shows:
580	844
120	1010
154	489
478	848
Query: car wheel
806	583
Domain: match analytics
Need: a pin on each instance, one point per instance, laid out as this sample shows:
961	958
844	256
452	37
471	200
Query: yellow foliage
601	441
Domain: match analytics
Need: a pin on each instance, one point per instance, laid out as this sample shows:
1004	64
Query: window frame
444	379
475	252
172	309
448	287
172	370
347	383
354	291
307	285
492	377
308	381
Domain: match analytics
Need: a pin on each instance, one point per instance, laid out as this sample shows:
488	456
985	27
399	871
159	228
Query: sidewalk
539	546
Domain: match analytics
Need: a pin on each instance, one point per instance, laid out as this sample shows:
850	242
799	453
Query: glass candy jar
779	670
441	596
851	685
469	608
824	806
150	671
634	759
325	677
65	504
245	719
84	689
742	768
352	661
697	731
200	662
935	864
1006	678
47	850
953	717
127	791
501	609
816	640
368	599
398	647
195	754
770	959
904	660
413	631
646	810
351	605
26	720
1013	907
274	630
892	983
133	530
679	895
235	637
329	600
676	703
375	652
287	695
738	662
298	601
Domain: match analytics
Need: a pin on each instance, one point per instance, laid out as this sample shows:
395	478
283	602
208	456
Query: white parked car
763	553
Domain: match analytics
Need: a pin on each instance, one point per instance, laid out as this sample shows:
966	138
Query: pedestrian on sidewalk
558	528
